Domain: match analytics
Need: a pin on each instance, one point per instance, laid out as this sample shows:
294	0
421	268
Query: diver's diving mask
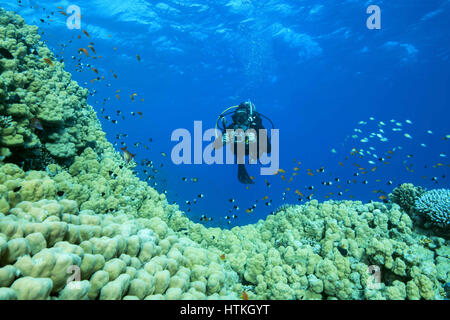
251	107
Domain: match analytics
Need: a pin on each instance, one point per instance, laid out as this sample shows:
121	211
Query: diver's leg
264	145
243	176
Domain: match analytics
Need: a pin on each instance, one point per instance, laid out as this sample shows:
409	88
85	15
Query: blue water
313	67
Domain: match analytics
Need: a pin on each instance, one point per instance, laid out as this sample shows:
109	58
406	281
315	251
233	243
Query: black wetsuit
244	119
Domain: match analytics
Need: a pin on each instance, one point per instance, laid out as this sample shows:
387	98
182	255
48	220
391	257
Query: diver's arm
226	137
223	138
218	143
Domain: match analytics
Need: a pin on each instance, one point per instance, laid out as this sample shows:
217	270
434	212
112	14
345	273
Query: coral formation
88	228
5	122
44	243
319	251
406	195
436	205
33	91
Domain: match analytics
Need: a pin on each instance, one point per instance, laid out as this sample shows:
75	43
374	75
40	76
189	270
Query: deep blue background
314	69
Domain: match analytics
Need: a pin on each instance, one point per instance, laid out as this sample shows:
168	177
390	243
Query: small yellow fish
84	51
127	156
48	61
92	48
299	193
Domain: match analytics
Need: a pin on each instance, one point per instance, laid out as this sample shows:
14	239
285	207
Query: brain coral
436	205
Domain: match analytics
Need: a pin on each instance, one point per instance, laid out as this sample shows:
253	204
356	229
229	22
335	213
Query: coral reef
32	91
436	205
76	223
406	195
44	243
324	251
5	122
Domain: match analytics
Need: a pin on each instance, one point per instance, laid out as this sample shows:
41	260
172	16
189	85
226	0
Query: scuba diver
245	117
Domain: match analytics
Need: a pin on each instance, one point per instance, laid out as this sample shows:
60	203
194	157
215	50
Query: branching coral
5	122
436	205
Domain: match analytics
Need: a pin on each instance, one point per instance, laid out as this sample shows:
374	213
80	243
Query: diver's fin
243	176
